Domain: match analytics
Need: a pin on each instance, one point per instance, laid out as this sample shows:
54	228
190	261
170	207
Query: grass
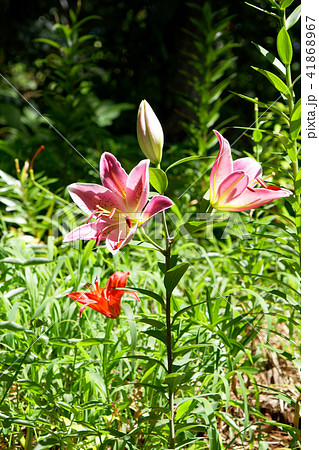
93	382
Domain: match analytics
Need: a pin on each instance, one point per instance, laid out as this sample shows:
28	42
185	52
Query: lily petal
252	199
88	196
113	176
137	187
118	279
119	237
249	165
222	166
231	187
97	230
80	297
87	232
156	204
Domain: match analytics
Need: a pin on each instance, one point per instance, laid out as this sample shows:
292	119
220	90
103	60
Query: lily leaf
293	18
296	121
275	81
158	179
189	158
274	61
284	46
174	275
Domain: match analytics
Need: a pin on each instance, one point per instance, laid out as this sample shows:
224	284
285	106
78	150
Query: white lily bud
150	134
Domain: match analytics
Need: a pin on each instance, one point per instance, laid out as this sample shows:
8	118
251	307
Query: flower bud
150	134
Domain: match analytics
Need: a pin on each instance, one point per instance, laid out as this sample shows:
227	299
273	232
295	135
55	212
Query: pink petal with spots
85	232
88	196
137	187
222	166
156	204
119	237
113	176
90	231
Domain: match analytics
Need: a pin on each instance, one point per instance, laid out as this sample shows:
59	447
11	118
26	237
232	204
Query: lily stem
148	239
169	338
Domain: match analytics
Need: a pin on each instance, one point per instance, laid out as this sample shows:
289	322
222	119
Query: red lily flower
107	301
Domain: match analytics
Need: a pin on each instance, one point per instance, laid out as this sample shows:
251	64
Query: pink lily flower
117	206
232	183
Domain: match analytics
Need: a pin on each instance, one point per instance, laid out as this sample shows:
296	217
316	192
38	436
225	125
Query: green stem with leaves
169	340
290	97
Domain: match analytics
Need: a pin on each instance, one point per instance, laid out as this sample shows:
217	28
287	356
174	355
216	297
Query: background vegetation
73	75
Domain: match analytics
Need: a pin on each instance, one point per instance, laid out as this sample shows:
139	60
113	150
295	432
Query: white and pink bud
150	134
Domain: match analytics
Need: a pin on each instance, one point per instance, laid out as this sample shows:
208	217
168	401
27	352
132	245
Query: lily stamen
128	221
260	181
112	213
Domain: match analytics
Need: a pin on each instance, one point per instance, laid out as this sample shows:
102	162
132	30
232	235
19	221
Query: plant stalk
169	339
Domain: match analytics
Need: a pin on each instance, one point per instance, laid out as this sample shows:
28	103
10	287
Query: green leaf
295	125
11	181
187	348
228	419
143	357
284	46
257	136
244	394
87	252
86	19
60	342
173	262
32	386
291	149
11	326
48	41
132	324
298	183
272	106
191	427
263	10
47	442
274	61
174	275
72	16
285	4
293	18
189	158
29	262
248	369
157	334
148	374
184	408
153	322
275	81
187	308
151	294
158	179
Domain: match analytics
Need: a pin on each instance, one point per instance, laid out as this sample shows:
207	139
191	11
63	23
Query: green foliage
93	382
209	71
102	382
64	112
